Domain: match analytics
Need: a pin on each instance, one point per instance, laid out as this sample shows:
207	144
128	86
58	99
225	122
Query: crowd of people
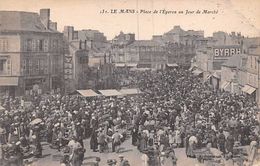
176	109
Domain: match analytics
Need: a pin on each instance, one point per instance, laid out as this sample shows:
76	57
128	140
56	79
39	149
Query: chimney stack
45	17
53	25
68	32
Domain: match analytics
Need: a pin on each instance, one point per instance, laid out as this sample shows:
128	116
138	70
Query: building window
24	66
255	62
40	45
2	65
34	45
37	66
4	45
55	44
30	66
45	45
29	45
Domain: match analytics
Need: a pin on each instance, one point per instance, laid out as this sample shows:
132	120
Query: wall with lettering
226	52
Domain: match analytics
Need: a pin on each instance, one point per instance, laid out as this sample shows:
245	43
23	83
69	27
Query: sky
232	15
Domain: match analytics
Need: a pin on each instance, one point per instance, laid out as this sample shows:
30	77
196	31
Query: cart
209	156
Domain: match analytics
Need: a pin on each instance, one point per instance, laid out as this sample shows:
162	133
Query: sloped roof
148	43
236	61
22	21
175	30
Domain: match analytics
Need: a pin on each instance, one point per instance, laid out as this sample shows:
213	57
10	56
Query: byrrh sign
226	51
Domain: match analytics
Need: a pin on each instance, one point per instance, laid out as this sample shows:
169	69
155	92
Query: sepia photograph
129	83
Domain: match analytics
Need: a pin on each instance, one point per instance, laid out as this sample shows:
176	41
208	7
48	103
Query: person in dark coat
230	143
93	141
134	136
221	142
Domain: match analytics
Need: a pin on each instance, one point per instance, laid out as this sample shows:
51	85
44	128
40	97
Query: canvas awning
197	72
130	91
119	64
225	85
110	92
248	89
87	93
172	65
8	81
131	64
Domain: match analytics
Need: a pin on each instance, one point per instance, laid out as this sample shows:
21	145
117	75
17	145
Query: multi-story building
231	73
179	54
252	80
31	53
223	38
178	35
119	49
76	60
88	54
181	45
150	54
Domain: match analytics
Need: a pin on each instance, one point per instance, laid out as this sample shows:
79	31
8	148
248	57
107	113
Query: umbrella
35	121
2	131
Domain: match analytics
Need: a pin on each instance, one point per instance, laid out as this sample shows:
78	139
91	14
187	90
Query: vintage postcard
129	83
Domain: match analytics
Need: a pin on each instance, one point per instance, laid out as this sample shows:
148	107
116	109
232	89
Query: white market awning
88	93
248	89
225	85
131	64
172	65
110	92
197	72
130	91
119	64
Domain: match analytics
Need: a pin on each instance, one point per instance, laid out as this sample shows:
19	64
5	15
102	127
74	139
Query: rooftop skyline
233	15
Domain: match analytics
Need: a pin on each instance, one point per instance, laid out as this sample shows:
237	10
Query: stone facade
31	53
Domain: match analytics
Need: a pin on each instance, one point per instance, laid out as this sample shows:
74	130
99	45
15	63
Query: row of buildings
231	63
176	47
36	58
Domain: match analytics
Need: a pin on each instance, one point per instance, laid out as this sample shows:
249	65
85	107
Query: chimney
68	32
45	17
53	25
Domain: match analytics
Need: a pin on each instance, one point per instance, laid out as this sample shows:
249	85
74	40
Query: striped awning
225	85
248	89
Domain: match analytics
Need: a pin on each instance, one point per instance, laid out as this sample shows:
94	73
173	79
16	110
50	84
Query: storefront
8	86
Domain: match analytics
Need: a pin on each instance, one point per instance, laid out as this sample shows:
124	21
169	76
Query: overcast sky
233	15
